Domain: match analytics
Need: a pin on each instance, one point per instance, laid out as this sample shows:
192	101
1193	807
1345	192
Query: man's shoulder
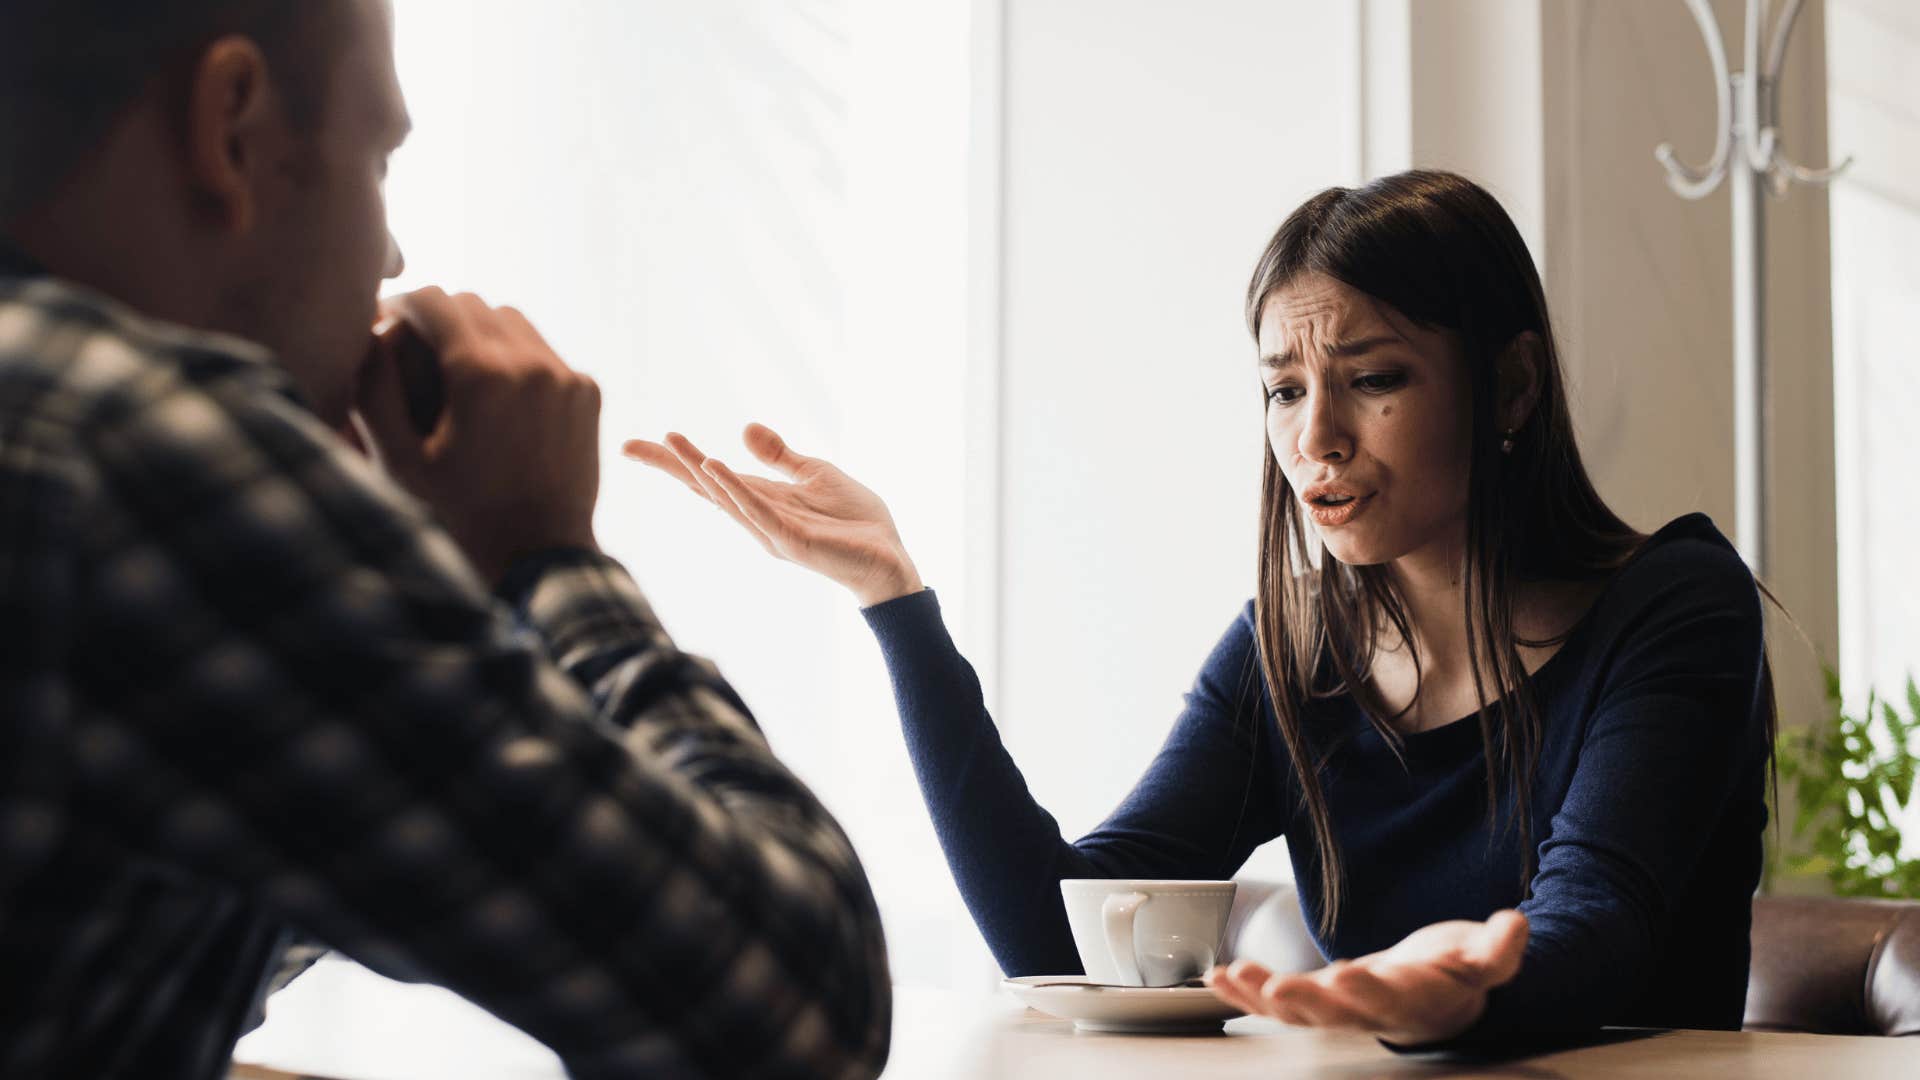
70	340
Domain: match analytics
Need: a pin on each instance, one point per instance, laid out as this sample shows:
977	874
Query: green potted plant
1852	778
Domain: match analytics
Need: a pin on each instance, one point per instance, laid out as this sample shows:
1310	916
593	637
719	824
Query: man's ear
231	118
1522	370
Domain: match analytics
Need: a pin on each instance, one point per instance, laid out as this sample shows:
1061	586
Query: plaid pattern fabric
247	686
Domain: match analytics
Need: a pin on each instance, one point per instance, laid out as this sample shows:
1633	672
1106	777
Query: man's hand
1431	986
513	464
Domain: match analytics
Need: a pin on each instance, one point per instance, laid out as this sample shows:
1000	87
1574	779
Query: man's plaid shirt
248	689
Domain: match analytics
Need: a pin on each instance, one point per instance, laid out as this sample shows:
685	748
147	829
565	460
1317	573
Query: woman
1517	748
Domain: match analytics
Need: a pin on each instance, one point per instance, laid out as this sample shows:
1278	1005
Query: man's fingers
478	316
513	326
382	405
767	445
438	317
652	453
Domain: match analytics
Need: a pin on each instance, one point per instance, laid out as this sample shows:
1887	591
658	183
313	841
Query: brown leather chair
1835	967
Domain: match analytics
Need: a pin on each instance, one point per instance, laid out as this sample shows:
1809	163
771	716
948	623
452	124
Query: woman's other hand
1430	987
822	519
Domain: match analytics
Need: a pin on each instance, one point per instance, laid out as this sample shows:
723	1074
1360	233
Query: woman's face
1369	417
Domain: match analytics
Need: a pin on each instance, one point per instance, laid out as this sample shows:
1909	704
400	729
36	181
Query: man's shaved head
218	164
69	67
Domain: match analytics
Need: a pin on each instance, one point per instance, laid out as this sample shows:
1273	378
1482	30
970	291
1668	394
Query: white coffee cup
1138	932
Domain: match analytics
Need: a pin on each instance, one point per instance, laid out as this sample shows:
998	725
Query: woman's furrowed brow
1351	348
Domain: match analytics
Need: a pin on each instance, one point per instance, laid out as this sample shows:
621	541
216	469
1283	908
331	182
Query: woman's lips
1333	515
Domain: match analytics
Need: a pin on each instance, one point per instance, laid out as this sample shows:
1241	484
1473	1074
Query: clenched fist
511	462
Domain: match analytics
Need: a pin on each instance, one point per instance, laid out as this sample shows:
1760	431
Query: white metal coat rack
1746	153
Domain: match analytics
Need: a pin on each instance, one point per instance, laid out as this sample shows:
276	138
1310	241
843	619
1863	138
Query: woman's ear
1522	364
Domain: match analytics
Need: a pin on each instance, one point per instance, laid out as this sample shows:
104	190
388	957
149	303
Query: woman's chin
1357	550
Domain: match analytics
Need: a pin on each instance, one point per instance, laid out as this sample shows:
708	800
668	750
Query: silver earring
1506	444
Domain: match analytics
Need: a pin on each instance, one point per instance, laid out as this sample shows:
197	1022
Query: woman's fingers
724	501
1312	1002
684	449
1273	1000
691	459
754	506
1368	994
767	445
652	453
1496	949
1425	990
1227	989
1241	985
695	463
1342	995
1247	975
742	497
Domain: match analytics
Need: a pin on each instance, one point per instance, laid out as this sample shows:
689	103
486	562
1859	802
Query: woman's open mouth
1331	507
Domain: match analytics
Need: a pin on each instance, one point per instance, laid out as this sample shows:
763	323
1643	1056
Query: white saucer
1135	1010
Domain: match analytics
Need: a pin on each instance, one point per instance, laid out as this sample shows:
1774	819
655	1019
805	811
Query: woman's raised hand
1430	987
822	519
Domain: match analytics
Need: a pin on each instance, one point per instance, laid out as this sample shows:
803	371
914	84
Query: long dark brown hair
1438	249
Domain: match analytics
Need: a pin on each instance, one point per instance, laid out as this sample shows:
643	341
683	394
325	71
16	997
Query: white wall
1150	150
1641	283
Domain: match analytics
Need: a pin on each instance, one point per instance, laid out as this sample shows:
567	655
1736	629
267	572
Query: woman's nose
1324	437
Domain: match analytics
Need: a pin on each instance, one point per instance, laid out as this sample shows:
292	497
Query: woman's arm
1676	743
1207	800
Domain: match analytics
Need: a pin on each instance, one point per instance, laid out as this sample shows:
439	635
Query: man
249	686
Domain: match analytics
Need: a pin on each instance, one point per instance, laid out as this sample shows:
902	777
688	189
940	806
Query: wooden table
1018	1044
377	1030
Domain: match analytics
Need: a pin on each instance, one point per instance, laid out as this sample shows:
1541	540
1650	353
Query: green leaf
1852	776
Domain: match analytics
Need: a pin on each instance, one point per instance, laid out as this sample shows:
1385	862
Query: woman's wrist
900	580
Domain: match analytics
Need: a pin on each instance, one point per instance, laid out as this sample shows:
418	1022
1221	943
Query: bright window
988	258
1874	107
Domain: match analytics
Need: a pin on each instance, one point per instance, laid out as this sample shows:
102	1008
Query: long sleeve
1671	757
290	684
1206	801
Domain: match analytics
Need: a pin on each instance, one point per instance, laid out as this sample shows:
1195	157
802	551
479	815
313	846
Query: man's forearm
679	713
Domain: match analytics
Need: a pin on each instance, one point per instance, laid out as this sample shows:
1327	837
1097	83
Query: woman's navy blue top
1647	811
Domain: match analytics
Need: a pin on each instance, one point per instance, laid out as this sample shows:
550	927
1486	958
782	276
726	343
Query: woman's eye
1380	383
1285	395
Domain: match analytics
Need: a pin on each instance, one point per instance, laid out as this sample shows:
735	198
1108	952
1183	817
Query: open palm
1431	986
819	517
